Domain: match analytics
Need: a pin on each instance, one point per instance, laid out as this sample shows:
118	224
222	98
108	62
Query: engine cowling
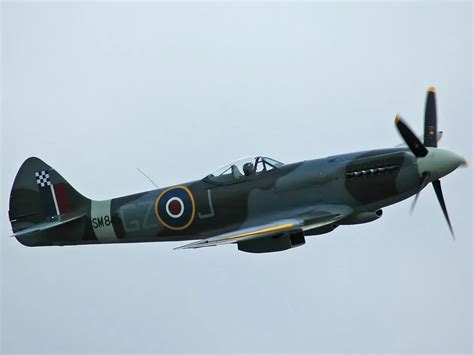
273	243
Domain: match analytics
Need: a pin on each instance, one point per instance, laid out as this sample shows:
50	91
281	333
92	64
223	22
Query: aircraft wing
310	219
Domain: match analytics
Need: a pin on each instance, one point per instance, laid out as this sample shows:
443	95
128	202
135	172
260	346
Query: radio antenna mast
145	175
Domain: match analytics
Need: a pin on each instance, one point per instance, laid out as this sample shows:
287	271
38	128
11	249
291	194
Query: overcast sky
97	90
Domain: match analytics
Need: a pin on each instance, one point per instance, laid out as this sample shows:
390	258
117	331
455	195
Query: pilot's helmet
248	169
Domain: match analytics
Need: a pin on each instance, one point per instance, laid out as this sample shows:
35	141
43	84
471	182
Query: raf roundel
175	208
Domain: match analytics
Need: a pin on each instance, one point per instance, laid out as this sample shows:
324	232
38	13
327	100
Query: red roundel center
175	207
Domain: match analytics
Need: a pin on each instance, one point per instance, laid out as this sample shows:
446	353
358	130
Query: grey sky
97	90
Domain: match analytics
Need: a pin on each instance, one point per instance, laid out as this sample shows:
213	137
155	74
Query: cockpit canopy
243	169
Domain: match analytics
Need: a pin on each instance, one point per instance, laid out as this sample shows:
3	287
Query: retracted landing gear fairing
260	204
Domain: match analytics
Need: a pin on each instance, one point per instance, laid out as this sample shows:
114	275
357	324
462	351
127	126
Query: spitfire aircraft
258	203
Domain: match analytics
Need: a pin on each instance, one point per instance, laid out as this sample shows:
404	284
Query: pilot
248	169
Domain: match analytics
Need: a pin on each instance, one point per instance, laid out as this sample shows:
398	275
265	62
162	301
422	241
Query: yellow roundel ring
175	207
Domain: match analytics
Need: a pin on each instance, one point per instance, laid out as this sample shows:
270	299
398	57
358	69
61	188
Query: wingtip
181	248
397	118
432	89
193	245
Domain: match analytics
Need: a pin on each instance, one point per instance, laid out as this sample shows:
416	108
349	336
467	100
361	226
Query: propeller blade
439	194
424	181
410	138
431	128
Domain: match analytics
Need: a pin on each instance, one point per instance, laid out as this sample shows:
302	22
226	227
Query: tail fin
39	194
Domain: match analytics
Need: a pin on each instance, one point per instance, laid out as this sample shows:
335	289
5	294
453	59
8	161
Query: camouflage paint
203	208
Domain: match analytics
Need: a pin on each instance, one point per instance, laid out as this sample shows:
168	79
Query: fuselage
366	181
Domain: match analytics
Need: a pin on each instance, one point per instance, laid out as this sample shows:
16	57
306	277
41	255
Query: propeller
425	179
439	194
419	149
431	125
410	138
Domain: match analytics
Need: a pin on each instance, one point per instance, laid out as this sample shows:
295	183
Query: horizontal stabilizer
52	223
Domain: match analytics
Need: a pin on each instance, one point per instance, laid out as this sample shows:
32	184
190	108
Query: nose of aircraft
439	162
